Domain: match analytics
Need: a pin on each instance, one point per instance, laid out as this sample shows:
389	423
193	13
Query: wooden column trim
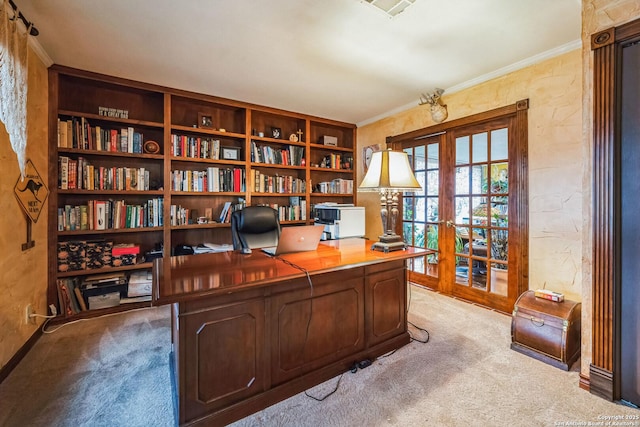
605	128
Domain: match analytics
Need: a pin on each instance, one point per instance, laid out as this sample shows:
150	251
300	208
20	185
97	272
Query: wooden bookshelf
200	138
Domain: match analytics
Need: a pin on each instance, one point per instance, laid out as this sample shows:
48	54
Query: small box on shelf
124	254
329	140
71	256
98	254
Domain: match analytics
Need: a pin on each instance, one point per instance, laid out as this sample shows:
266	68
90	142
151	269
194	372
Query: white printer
340	220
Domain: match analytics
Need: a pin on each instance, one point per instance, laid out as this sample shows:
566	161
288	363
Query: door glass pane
407	208
462	150
499	247
432	237
499	144
433	186
480	147
433	156
420	177
500	211
479	179
407	233
462	210
418	265
419	160
419	237
462	180
432	209
500	178
421	213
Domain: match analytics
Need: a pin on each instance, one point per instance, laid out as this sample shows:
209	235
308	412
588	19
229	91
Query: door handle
449	224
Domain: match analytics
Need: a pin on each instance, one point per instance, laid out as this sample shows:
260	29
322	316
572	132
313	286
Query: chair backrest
255	227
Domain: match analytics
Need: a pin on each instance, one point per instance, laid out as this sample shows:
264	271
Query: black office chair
255	227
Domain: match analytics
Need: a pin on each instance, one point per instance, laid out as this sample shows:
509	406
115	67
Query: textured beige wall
23	274
597	15
554	90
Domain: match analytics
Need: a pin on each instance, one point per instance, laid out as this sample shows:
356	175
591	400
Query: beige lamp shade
389	170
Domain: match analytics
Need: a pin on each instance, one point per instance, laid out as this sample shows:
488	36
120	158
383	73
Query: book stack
104	290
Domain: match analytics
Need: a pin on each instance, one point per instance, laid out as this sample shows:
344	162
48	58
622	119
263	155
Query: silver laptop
297	239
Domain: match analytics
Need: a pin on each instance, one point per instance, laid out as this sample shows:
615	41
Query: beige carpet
114	372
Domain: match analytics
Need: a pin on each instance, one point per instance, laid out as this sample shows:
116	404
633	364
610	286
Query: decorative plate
151	147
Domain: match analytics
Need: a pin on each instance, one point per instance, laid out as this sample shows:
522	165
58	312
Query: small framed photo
230	153
276	133
205	121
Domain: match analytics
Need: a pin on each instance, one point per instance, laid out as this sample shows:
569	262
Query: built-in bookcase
153	167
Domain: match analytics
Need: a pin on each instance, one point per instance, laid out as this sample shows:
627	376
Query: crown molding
39	50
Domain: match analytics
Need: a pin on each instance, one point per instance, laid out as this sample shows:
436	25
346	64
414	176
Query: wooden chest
546	330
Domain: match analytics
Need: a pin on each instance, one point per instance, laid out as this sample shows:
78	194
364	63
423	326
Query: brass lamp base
389	243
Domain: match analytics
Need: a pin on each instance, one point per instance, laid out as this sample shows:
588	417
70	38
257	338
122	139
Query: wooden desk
250	330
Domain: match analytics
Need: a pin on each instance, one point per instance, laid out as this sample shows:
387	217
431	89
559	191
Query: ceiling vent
391	7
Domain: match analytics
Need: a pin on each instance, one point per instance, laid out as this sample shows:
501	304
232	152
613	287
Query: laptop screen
297	239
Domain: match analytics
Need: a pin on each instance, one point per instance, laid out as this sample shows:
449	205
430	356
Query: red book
114	140
236	180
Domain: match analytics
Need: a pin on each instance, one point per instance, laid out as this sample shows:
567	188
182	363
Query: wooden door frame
519	217
604	370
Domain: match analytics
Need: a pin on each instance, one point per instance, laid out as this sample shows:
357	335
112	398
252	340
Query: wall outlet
28	311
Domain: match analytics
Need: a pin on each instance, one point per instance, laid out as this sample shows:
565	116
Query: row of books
296	211
337	186
276	184
110	214
213	179
79	133
337	161
82	175
103	290
195	147
289	155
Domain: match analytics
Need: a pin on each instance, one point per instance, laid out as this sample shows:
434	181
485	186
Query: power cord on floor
425	340
320	399
52	330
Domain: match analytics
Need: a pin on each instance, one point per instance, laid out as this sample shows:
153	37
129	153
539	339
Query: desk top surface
192	276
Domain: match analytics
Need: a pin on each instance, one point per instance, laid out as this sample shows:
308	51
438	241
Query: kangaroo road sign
31	192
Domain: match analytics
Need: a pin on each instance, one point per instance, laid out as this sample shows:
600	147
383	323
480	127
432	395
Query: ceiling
339	59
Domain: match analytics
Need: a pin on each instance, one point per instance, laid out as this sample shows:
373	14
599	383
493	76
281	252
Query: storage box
547	330
124	254
72	256
329	140
98	254
104	301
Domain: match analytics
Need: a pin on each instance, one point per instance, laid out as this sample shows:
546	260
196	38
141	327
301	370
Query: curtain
13	81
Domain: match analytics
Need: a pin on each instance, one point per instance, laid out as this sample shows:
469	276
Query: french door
470	177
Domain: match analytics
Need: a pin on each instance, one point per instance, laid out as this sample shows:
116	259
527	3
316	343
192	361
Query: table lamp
389	173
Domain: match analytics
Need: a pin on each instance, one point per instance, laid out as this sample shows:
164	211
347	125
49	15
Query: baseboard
20	354
601	382
585	382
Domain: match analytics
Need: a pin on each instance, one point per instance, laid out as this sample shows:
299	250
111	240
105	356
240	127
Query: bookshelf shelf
201	138
201	226
330	148
211	132
315	169
256	194
141	266
80	151
106	119
109	231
